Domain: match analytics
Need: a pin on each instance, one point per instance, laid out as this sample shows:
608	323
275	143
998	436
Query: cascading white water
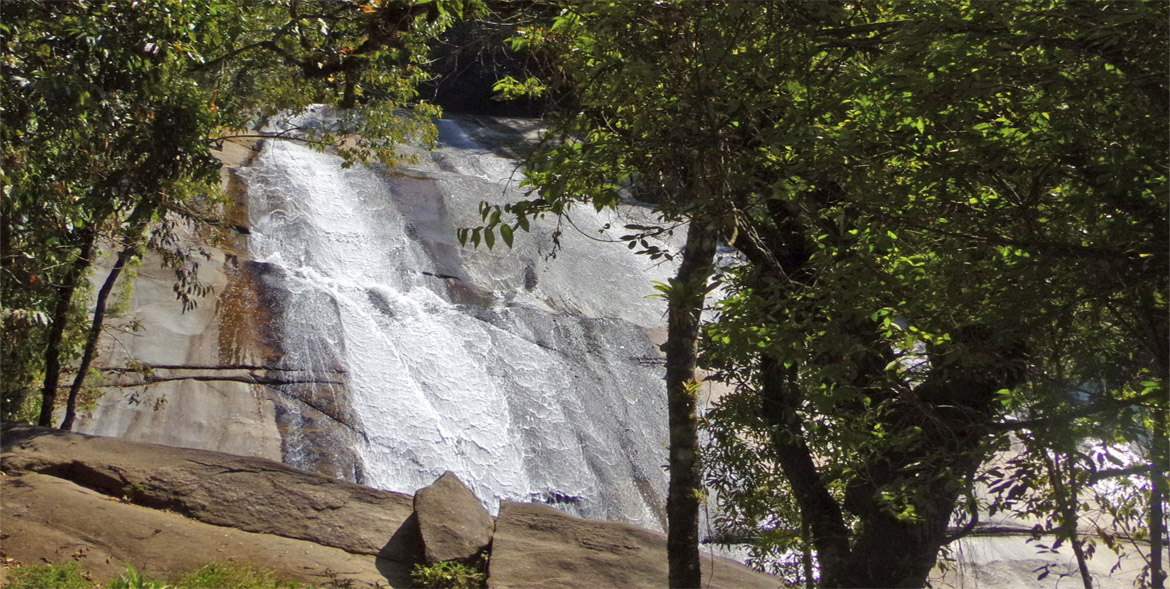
530	377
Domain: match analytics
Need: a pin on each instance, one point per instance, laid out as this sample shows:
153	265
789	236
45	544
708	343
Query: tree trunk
890	550
138	220
943	427
687	293
95	330
61	309
1158	496
819	511
1157	532
1067	499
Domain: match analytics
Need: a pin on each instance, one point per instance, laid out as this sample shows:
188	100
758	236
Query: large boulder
250	494
538	546
452	522
47	519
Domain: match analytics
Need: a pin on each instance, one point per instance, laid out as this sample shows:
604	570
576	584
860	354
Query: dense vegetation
110	112
212	576
950	294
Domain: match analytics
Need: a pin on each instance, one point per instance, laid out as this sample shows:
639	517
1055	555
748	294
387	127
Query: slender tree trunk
61	308
1157	532
781	256
819	511
1158	496
95	330
1066	497
688	291
1082	559
138	220
807	557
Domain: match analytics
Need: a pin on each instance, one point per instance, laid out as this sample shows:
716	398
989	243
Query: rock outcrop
250	494
451	521
48	519
104	502
538	546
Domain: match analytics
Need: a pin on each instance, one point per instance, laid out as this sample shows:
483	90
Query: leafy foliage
952	218
447	575
110	111
979	262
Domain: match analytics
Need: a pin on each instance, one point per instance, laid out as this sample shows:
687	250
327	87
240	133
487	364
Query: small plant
447	575
336	581
129	494
132	579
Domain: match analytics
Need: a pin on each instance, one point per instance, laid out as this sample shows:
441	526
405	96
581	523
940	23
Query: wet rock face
316	421
351	334
212	378
519	371
196	379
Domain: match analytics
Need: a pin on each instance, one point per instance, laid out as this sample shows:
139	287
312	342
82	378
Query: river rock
452	522
538	546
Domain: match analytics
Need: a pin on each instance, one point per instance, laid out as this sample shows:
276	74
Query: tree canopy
110	112
998	205
952	220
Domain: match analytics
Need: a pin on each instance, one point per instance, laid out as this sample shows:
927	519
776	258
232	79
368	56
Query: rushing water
531	377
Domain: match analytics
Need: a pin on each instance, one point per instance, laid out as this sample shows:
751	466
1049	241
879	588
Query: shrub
217	575
212	576
48	576
447	575
132	579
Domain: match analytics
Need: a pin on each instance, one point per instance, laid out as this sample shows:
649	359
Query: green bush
212	576
447	575
48	576
216	575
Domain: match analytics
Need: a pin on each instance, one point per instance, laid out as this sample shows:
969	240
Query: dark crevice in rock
116	487
147	368
308	402
555	498
226	470
240	379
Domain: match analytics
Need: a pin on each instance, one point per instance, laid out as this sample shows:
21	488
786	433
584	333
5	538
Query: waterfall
531	377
